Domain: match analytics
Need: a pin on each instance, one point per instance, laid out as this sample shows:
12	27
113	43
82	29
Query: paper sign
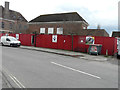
17	36
54	38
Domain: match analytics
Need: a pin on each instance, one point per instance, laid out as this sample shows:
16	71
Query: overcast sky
102	12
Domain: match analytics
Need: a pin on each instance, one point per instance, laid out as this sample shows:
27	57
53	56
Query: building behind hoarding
63	23
12	21
70	23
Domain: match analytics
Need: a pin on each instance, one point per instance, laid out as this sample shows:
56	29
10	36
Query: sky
95	12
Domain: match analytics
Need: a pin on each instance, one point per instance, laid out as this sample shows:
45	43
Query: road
35	69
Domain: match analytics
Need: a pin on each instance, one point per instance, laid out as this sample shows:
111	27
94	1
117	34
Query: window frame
51	30
59	32
42	30
2	25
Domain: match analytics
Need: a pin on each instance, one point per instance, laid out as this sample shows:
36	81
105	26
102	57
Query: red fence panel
65	42
79	44
109	44
67	45
43	41
61	42
25	39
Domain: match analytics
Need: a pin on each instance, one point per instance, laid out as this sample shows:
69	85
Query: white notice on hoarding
17	36
54	38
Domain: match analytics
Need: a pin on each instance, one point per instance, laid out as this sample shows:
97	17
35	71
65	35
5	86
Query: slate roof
116	34
71	16
94	32
13	15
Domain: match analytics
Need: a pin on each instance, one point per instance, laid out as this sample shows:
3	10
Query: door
32	39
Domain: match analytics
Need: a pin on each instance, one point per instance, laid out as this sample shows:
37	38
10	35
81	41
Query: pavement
84	56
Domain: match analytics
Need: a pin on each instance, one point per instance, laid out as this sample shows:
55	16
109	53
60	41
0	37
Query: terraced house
12	21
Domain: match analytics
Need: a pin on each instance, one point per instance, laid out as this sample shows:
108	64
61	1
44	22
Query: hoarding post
72	42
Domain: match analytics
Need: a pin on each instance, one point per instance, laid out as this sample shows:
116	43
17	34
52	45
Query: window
7	39
14	17
42	30
3	25
50	30
59	30
11	25
19	17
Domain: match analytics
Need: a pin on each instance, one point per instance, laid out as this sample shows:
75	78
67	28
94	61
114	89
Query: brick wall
68	28
14	26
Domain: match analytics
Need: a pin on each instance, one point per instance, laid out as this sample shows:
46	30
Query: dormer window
14	17
3	25
19	17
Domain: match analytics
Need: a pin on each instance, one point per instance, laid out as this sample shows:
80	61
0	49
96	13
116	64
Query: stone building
12	21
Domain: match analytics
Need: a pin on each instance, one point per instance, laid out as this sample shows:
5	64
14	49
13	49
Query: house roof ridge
67	16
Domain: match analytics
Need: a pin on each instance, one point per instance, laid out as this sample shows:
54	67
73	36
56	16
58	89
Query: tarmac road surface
35	69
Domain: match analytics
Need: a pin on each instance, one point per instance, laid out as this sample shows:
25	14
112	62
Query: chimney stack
7	6
6	11
1	11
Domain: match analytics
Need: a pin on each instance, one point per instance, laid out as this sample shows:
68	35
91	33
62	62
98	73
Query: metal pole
35	38
72	42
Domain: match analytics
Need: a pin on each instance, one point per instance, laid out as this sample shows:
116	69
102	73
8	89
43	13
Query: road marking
15	80
18	81
76	70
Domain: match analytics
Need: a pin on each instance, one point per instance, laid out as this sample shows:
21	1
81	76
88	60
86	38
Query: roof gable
16	16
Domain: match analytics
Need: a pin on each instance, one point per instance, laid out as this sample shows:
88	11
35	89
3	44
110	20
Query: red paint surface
65	42
108	44
24	38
